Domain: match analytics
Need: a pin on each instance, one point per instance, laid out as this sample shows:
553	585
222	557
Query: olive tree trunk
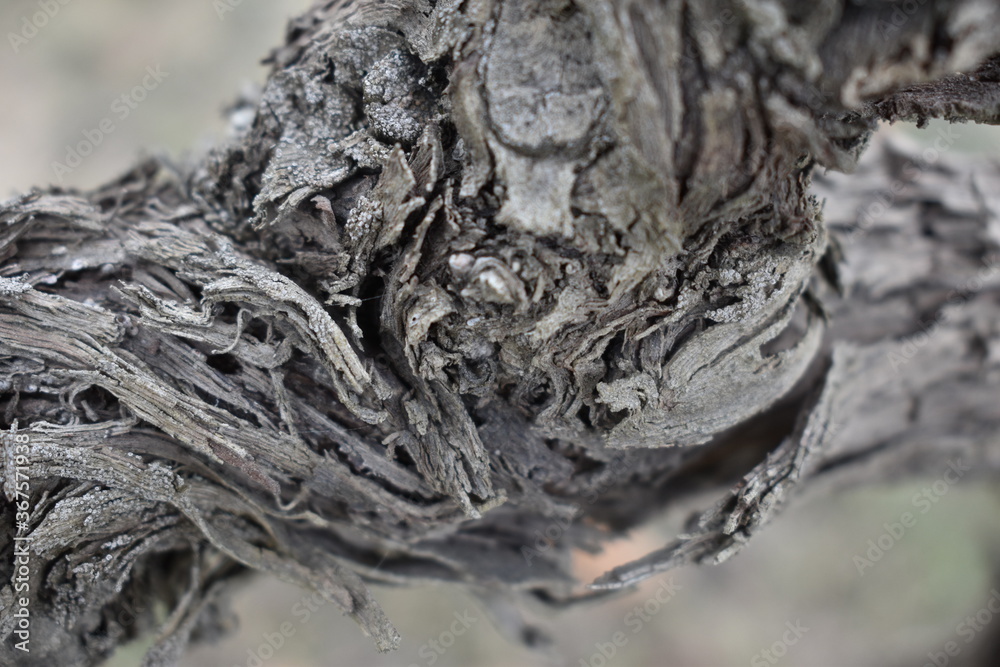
477	268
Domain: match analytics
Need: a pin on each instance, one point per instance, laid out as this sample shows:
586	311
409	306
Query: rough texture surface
480	266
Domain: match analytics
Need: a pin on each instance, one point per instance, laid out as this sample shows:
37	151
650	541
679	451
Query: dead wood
476	268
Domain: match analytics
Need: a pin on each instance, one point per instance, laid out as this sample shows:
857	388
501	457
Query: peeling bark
476	267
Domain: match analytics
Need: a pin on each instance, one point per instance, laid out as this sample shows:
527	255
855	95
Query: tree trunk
479	269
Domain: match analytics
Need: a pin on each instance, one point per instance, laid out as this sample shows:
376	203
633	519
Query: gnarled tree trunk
476	267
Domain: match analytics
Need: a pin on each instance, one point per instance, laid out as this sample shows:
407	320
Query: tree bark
480	269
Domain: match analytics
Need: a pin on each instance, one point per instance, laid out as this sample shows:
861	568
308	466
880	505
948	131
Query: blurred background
795	592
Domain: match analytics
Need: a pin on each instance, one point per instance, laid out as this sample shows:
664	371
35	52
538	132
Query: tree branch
478	267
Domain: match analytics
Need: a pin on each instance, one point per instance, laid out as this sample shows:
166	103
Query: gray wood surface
478	269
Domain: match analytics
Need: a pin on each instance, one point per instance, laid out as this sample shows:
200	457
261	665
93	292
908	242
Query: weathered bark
479	268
